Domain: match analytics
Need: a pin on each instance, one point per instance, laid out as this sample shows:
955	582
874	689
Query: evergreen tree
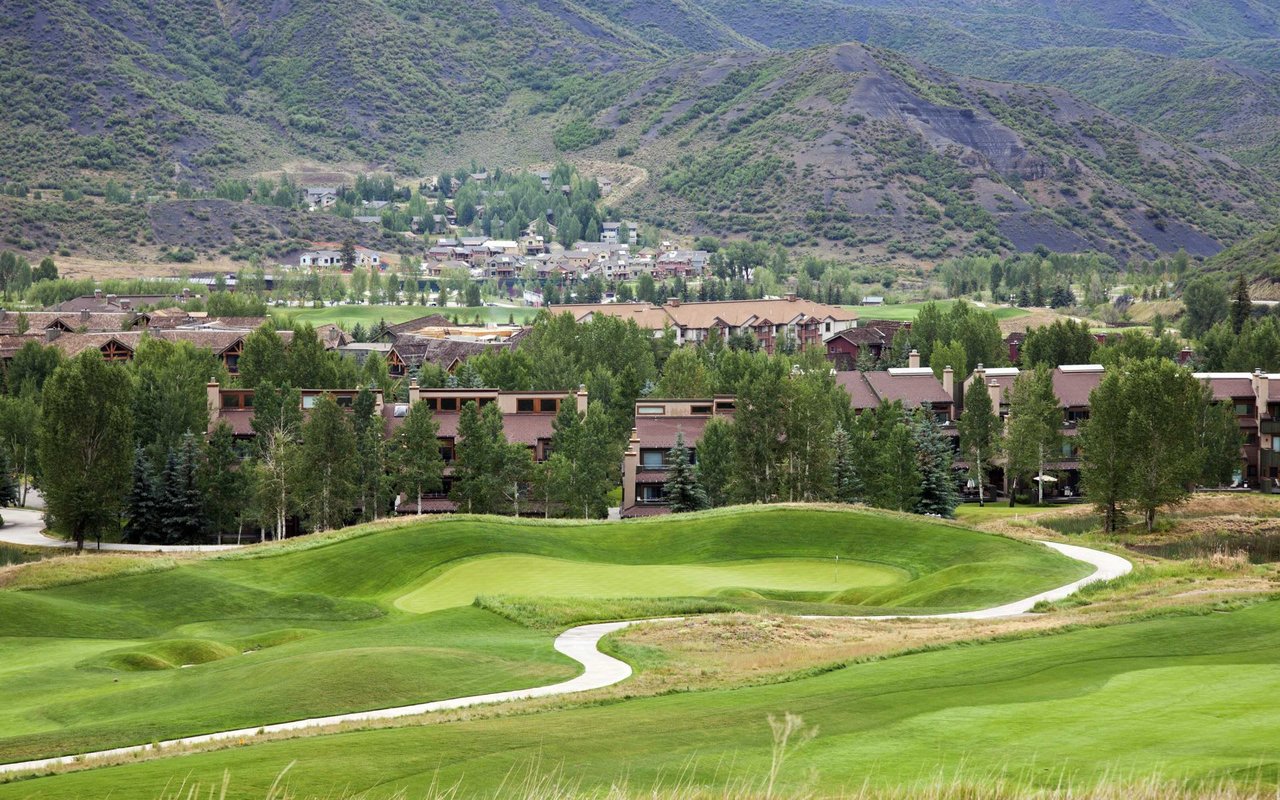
979	434
141	507
846	484
683	491
182	517
223	483
348	254
937	485
1241	305
416	459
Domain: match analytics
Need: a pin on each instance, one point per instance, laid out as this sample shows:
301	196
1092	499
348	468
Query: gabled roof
913	388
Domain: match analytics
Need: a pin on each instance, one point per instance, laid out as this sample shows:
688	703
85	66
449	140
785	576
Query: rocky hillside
863	149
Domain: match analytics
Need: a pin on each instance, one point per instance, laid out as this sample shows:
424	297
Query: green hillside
277	632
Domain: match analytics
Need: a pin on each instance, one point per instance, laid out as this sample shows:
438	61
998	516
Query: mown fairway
370	315
330	625
1194	697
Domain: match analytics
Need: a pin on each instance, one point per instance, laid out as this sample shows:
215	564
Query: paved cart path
598	669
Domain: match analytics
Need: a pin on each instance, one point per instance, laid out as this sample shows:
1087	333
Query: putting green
539	576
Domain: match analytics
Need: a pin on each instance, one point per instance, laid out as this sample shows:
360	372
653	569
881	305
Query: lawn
1189	697
327	625
974	514
906	312
349	315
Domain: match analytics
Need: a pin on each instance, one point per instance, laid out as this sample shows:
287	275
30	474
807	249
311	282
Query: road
598	669
25	526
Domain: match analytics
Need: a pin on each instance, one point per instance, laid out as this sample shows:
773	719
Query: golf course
388	615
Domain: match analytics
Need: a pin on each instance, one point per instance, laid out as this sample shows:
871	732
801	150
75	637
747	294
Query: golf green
537	576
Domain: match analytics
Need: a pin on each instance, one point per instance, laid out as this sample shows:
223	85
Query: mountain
866	151
839	146
1207	73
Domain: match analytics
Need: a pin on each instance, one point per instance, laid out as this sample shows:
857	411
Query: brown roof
661	431
860	336
518	428
415	350
100	322
738	312
430	505
1225	387
913	389
1074	387
649	317
429	321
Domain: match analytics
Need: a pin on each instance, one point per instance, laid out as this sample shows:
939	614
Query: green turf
312	627
975	514
349	315
907	312
537	576
1187	698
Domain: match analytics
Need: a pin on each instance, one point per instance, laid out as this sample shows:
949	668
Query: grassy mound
381	616
1185	698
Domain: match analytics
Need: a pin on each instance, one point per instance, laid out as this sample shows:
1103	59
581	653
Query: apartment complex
527	419
770	321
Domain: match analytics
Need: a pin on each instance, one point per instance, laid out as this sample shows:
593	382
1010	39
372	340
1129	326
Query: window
524	405
653	459
309	401
700	410
1244	409
725	405
653	494
345	401
431	403
549	405
446	452
654	410
448	404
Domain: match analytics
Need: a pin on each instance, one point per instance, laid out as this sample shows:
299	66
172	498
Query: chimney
84	315
126	303
913	359
1183	357
415	393
582	398
673	301
186	292
51	333
97	294
993	389
213	397
111	298
791	297
949	383
1261	390
630	465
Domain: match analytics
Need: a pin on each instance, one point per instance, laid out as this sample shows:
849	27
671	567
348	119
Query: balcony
1271	426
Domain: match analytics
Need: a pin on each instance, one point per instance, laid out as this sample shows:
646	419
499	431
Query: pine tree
224	484
683	491
937	485
141	506
182	519
846	485
1241	305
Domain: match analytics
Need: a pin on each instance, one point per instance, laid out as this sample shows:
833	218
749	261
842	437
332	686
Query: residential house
320	196
871	339
658	423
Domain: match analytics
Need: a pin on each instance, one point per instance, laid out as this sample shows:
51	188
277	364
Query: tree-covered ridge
199	87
